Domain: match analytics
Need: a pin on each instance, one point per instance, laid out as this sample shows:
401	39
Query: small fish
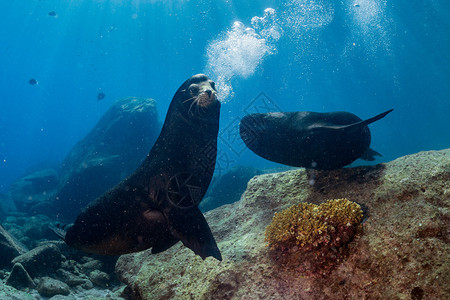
52	14
100	96
33	81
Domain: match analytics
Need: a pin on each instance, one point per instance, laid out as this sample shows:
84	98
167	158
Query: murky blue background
364	57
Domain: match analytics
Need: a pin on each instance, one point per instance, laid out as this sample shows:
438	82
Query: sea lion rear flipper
370	154
361	123
190	226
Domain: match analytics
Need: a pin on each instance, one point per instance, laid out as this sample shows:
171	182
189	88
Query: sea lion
156	206
309	139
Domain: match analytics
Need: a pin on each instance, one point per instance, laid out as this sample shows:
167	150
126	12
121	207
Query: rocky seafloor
403	251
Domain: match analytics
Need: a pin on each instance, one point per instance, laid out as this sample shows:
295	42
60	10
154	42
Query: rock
42	260
71	266
61	297
113	149
69	278
9	293
99	278
229	187
402	252
87	285
91	265
9	248
49	287
32	193
19	278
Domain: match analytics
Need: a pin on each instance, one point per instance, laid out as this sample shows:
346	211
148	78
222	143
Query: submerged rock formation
111	151
9	248
402	252
33	192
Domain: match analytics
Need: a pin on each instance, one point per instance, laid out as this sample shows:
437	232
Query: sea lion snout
204	92
199	96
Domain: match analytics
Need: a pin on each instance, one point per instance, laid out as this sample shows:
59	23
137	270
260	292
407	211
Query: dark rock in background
19	278
9	248
228	188
113	149
32	193
29	230
109	153
4	201
69	278
42	260
99	278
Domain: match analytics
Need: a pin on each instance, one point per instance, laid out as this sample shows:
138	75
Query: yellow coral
306	224
342	211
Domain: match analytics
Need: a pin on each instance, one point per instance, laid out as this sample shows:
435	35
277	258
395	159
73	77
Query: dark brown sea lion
309	139
157	205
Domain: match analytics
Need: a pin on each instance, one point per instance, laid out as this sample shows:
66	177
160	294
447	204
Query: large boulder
41	261
402	251
9	248
112	150
19	278
33	193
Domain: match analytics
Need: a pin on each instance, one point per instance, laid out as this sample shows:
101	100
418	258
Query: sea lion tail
373	119
370	154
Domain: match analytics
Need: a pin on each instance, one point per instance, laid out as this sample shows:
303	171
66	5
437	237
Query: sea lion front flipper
370	154
190	226
163	246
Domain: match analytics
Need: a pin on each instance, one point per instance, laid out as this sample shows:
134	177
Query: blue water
363	56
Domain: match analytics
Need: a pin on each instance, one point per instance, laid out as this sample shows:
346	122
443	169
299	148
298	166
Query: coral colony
315	233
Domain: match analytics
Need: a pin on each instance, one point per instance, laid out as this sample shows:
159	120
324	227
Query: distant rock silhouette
31	193
9	248
110	152
3	199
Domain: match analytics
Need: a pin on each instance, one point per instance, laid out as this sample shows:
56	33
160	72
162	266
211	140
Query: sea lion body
309	139
156	206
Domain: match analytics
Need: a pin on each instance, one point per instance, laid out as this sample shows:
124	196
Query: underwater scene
265	149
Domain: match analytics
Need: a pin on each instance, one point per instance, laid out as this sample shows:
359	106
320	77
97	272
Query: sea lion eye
213	84
194	88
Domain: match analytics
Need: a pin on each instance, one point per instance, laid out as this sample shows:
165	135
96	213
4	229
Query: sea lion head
197	98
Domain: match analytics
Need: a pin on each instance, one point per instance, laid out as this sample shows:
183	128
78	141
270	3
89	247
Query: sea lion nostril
209	92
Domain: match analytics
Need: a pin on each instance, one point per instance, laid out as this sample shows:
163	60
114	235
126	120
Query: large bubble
240	50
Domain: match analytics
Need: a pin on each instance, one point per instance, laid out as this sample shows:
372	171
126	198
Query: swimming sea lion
156	206
309	139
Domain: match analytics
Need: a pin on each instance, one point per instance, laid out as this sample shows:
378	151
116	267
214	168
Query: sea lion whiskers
200	101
